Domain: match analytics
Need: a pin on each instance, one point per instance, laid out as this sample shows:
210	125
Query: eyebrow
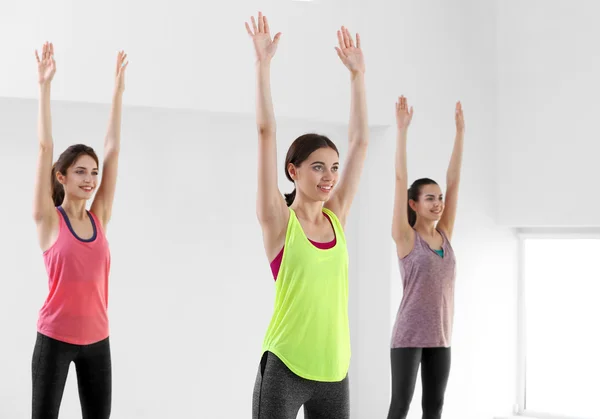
84	168
320	162
430	194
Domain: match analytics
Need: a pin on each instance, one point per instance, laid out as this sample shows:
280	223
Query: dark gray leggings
279	394
49	369
435	371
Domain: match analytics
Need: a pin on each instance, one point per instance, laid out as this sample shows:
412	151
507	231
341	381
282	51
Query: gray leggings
279	394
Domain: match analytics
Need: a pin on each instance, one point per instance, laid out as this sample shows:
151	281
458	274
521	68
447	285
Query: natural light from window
562	326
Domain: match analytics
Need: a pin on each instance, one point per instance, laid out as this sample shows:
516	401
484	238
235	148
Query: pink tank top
75	310
426	312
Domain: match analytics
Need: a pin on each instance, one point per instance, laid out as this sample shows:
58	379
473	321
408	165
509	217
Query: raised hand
46	65
459	118
351	55
264	46
122	64
403	114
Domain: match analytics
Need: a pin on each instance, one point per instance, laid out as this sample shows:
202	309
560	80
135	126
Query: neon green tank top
309	329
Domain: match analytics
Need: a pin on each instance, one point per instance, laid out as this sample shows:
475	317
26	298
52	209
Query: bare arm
358	130
402	232
270	205
43	205
103	201
446	223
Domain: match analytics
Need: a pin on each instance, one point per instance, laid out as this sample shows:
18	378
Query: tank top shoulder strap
418	240
337	225
97	224
62	223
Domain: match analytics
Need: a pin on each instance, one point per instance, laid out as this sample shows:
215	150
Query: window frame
524	234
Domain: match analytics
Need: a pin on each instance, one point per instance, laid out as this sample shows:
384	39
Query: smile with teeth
325	188
87	188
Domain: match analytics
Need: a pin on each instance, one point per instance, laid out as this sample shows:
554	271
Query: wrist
263	64
357	75
44	87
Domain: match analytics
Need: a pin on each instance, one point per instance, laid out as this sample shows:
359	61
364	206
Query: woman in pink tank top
423	329
73	321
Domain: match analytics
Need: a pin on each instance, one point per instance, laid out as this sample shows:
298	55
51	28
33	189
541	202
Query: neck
425	228
75	208
308	210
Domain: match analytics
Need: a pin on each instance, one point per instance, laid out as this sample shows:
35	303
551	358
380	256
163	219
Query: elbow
37	215
359	139
265	129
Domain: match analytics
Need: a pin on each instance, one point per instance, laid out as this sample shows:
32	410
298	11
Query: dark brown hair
301	148
66	160
414	192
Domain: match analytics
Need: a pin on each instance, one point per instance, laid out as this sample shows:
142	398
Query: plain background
191	292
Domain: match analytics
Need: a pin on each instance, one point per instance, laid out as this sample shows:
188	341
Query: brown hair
301	148
414	192
66	160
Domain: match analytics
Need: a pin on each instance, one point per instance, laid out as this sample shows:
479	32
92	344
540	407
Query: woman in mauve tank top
73	321
423	222
306	349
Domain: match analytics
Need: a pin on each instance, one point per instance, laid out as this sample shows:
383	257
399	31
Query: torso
49	229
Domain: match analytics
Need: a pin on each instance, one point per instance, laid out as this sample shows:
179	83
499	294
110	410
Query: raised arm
43	205
446	223
358	129
271	208
402	231
103	201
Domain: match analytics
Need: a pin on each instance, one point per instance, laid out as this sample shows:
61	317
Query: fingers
348	36
340	54
248	29
357	40
341	40
276	39
51	50
37	57
261	23
255	29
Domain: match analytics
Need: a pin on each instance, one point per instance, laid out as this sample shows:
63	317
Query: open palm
403	114
46	64
351	55
459	118
264	45
122	64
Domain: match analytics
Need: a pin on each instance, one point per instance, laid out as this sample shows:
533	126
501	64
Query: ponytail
289	197
412	215
58	191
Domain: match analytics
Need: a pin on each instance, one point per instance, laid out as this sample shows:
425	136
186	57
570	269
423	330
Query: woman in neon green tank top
306	350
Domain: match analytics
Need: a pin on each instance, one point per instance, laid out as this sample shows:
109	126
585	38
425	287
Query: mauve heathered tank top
425	316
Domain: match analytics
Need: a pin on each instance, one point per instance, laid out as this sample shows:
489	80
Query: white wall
440	52
191	290
184	55
548	113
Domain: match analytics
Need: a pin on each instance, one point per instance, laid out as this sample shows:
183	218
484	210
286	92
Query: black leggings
49	369
435	370
279	394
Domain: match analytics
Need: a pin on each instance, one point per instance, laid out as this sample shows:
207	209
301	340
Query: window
559	325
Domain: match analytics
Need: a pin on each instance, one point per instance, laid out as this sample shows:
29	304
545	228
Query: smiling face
317	176
81	178
430	204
